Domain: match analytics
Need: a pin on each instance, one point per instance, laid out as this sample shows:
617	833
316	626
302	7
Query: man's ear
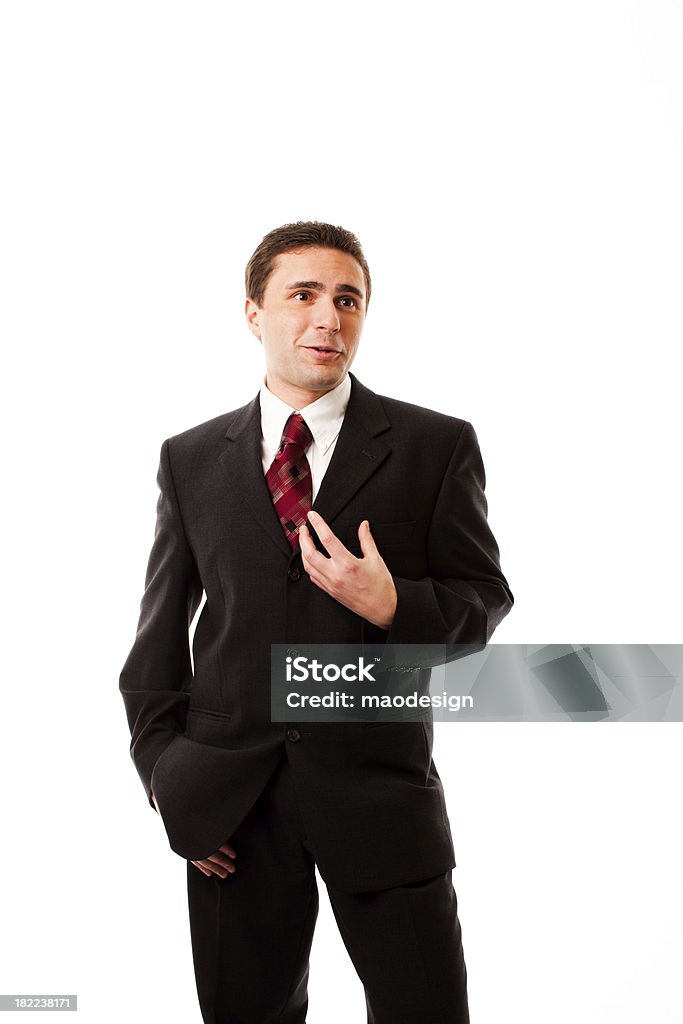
252	313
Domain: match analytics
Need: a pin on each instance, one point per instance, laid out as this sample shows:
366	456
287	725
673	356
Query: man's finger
310	556
222	861
214	867
306	544
218	863
201	868
328	539
367	541
223	867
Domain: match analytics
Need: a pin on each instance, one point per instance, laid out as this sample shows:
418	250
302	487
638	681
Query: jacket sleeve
465	595
157	677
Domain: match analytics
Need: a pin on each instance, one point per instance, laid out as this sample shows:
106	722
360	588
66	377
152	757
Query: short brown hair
304	234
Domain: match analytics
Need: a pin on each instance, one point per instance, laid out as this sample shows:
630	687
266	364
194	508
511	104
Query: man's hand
219	863
364	585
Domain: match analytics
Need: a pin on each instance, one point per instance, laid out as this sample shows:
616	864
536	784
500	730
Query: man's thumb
367	541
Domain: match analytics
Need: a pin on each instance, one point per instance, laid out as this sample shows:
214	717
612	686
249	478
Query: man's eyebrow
318	286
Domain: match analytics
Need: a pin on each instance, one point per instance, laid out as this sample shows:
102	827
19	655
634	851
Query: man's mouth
322	354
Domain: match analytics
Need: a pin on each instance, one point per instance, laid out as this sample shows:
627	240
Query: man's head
308	286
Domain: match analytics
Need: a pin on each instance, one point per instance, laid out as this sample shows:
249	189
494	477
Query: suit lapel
241	462
358	454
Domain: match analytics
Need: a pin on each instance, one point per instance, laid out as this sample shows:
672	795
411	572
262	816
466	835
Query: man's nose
328	315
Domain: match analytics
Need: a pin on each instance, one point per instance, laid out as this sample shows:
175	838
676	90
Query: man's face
310	322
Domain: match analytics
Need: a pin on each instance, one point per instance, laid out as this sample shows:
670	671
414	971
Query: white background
514	172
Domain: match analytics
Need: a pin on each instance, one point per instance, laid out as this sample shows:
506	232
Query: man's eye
306	295
351	302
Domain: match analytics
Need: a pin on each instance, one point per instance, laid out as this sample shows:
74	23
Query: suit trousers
252	931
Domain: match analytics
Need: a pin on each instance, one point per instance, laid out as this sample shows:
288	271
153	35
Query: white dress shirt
323	417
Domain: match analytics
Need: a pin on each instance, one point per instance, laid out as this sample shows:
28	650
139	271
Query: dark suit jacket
202	741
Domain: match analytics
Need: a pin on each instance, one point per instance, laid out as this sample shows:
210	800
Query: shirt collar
323	417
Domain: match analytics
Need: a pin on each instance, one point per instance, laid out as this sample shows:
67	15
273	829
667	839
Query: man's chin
324	378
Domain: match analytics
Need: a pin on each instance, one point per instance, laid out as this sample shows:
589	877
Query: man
318	513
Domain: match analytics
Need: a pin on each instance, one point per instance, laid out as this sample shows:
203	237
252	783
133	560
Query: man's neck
297	398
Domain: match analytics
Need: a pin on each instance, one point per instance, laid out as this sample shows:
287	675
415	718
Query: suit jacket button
293	735
294	573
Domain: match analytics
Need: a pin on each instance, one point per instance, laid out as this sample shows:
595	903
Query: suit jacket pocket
204	725
387	535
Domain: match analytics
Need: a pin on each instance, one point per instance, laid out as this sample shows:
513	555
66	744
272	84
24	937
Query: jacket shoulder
418	417
210	431
402	414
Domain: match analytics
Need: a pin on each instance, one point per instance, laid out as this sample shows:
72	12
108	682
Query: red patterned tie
289	478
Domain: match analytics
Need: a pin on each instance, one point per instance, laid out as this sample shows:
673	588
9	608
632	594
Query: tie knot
296	431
